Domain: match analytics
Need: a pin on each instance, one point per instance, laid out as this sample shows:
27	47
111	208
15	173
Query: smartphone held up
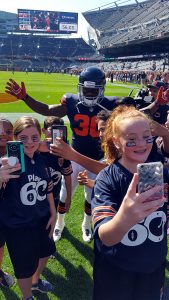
151	175
59	131
15	154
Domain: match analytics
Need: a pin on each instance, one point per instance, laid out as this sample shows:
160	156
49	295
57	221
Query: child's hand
6	170
51	224
84	180
135	207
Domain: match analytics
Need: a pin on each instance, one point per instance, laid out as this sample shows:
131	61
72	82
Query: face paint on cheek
130	144
149	140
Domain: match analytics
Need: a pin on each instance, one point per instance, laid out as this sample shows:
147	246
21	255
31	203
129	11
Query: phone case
150	175
59	131
15	149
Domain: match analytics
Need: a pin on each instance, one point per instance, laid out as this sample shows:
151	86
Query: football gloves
15	90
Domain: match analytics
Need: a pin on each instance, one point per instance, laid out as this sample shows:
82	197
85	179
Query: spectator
129	253
28	216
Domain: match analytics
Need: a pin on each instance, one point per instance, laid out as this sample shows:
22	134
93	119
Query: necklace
32	161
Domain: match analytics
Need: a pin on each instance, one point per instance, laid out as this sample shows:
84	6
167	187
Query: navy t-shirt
144	247
85	136
24	200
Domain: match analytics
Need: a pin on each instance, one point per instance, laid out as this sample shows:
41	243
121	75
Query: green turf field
48	88
71	272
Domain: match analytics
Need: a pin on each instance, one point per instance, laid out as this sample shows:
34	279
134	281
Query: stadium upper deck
138	24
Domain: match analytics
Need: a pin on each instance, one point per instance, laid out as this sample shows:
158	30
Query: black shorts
26	246
112	282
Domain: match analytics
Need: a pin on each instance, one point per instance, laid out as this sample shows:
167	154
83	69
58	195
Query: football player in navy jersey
27	212
58	167
81	109
129	230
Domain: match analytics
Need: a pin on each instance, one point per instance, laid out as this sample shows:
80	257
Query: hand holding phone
151	175
59	131
15	153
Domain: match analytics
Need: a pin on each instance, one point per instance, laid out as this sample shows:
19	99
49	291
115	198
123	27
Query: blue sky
56	5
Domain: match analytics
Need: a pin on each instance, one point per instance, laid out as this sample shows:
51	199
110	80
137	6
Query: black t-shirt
24	200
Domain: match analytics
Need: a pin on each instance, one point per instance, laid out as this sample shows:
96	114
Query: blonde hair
113	129
26	122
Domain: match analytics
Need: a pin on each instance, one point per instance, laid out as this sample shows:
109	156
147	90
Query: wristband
26	97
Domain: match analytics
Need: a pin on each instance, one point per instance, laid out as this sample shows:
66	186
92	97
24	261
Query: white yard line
14	116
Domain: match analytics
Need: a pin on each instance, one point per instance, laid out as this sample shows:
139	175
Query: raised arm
19	92
67	152
133	209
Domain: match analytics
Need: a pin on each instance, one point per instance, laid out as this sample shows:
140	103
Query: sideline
14	116
124	85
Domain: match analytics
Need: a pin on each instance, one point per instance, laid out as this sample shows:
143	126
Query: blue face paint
149	140
131	144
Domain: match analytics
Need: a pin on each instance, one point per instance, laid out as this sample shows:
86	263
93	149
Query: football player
81	110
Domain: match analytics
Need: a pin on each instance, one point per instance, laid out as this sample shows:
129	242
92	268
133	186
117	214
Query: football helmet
91	86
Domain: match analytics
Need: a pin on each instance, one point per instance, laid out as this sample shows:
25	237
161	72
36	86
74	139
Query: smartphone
15	150
150	175
59	131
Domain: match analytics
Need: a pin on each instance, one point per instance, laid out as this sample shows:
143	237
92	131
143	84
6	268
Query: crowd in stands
19	46
127	23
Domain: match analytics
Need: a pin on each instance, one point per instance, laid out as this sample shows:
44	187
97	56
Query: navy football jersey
144	246
58	167
85	136
24	200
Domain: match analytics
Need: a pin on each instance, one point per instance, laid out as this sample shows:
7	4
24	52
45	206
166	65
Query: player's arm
44	109
67	152
19	92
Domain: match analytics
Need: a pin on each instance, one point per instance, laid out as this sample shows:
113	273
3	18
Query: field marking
14	116
125	85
